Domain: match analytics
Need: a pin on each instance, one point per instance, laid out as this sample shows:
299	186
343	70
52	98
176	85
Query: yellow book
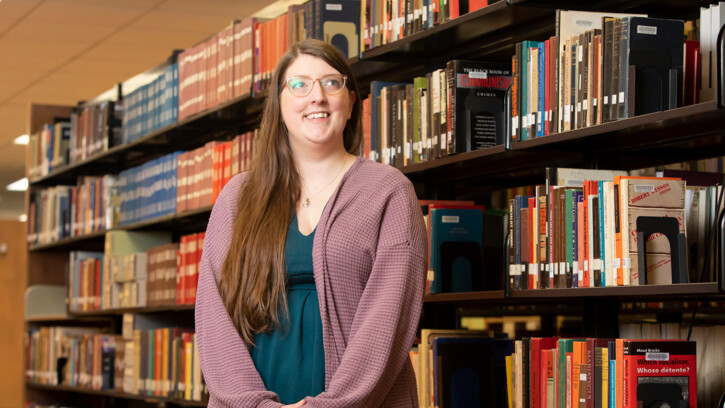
188	354
165	363
605	377
510	379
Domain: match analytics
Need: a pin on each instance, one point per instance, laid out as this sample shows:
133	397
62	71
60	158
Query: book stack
580	230
65	211
451	110
148	191
162	362
384	22
599	67
556	372
217	69
85	280
202	173
151	106
461	368
49	149
161	273
95	129
190	251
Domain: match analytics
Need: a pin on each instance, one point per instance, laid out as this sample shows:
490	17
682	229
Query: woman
311	283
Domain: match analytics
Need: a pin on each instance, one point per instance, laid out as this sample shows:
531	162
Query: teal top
291	360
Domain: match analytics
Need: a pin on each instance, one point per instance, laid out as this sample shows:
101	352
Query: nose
316	93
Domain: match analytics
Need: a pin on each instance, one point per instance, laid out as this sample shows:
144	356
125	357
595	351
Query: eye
297	83
332	82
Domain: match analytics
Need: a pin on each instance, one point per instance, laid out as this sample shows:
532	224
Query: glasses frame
287	85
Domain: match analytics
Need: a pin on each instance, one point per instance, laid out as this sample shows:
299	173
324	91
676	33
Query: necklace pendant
306	203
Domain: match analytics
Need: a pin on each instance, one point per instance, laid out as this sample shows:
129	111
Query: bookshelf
691	132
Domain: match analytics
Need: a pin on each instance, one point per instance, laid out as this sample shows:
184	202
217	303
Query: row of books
95	129
203	172
581	229
48	149
461	368
614	373
452	110
148	191
162	362
70	211
174	183
137	269
151	106
385	21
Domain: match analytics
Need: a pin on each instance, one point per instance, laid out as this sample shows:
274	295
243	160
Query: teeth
317	115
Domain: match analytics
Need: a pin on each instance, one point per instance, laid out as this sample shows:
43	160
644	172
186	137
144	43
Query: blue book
375	88
175	93
541	116
456	257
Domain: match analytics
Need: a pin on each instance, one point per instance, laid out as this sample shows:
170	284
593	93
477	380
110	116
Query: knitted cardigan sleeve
228	369
386	317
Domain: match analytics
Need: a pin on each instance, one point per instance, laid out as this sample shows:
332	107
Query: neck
318	169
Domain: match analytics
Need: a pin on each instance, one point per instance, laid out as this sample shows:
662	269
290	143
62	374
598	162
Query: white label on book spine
562	268
614	99
539	117
605	100
621	97
534	269
644	188
578	107
617	263
594	101
585	104
649	30
431	275
366	33
583	377
525	121
567	114
450	219
478	74
626	262
333	7
586	265
657	356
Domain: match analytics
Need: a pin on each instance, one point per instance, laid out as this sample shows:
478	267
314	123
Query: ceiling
62	51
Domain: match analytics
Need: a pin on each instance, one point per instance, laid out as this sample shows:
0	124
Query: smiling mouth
318	115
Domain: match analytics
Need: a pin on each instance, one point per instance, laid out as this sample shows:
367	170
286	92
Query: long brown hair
253	275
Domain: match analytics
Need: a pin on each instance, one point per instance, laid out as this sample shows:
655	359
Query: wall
13	267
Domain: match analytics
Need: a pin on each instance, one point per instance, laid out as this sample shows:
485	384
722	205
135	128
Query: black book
477	91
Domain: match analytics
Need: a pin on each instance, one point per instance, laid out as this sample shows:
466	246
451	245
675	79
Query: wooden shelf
185	222
626	293
138	310
115	394
219	122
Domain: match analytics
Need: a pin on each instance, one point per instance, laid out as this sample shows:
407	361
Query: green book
565	346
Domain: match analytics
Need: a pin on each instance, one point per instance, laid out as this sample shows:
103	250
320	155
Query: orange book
158	347
227	165
619	372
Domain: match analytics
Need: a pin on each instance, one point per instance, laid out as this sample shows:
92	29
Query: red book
212	62
646	363
474	5
235	155
181	271
692	73
537	370
197	247
533	239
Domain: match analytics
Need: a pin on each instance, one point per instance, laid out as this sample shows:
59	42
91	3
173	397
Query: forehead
307	65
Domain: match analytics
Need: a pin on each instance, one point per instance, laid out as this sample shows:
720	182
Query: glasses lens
333	84
299	86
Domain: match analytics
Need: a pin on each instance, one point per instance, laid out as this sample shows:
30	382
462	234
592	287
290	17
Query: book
456	258
659	371
476	93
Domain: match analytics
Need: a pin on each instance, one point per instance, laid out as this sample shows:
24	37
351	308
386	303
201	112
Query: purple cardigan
369	259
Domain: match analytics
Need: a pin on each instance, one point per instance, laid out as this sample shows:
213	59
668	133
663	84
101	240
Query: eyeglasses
301	86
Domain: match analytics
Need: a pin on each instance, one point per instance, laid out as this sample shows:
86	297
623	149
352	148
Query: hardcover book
476	95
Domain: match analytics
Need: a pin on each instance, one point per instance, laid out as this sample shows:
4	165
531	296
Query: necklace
306	201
